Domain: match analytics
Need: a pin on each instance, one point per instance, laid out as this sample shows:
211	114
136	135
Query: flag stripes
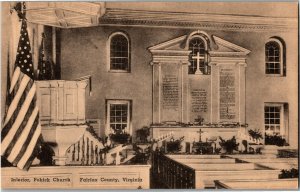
16	99
18	133
27	141
19	119
21	133
15	113
31	151
16	87
21	140
14	78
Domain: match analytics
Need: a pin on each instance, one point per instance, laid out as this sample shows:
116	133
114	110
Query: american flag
44	65
21	132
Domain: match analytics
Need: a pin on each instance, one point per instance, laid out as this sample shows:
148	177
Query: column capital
155	63
244	64
212	63
185	63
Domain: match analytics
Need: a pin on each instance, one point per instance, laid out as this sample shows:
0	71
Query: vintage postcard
149	95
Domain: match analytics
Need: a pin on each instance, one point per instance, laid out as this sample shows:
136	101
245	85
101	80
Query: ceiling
64	14
209	15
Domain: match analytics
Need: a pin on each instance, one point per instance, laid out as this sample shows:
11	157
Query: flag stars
25	61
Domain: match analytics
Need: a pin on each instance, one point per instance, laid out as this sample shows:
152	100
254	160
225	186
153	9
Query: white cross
198	57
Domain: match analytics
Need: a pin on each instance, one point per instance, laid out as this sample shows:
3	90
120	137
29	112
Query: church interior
198	95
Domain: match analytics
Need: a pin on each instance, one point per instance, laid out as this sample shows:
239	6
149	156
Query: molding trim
171	52
230	45
196	20
167	43
226	60
226	54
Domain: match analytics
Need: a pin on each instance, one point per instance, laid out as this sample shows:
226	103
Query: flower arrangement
275	139
229	145
120	137
199	123
143	134
255	134
199	120
174	146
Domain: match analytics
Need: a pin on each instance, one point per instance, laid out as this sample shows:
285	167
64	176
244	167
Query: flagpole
8	98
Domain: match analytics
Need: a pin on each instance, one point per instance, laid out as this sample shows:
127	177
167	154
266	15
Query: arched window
274	57
119	52
198	56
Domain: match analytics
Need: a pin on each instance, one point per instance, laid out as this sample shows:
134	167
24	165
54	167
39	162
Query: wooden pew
205	179
205	161
222	167
171	174
188	156
257	184
172	171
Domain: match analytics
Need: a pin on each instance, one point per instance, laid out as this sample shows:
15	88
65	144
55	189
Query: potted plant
256	135
143	134
174	146
275	139
199	120
119	136
229	145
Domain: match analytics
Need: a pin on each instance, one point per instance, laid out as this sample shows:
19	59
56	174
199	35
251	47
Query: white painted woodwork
65	14
61	102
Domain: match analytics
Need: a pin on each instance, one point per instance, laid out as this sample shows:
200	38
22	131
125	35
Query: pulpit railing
172	174
89	150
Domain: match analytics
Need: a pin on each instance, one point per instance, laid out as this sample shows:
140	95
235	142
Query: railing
89	150
172	174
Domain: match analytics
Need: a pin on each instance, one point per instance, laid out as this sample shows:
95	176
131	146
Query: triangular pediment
174	44
224	46
218	46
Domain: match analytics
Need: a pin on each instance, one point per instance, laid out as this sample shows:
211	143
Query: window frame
110	102
281	118
109	69
205	54
281	58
